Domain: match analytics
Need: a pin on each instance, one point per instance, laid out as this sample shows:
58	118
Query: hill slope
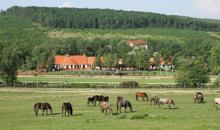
106	18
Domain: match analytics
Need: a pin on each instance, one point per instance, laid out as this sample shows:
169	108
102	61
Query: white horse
216	102
168	101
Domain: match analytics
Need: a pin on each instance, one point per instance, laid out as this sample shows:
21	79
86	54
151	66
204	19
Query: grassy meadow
16	111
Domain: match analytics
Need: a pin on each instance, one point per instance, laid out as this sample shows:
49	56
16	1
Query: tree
193	73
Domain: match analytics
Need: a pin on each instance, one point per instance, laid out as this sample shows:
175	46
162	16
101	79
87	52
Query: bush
139	116
129	84
217	82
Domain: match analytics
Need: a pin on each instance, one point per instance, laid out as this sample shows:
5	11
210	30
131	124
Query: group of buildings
83	62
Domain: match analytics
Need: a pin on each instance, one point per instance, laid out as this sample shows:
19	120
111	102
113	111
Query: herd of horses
105	107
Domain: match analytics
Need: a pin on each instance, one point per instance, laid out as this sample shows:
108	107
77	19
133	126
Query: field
16	111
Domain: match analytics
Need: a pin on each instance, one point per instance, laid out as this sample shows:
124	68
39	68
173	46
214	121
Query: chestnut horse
43	106
143	95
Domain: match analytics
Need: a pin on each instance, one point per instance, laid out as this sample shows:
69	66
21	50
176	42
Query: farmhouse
138	44
73	62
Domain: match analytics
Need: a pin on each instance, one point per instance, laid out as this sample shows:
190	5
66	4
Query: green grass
16	111
95	79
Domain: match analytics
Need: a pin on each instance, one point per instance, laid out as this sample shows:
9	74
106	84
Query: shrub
139	116
129	84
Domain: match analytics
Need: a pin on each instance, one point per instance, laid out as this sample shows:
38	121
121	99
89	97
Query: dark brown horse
198	97
67	107
142	94
43	106
96	98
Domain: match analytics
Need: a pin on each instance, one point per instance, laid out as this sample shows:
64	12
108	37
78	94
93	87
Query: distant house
73	62
138	44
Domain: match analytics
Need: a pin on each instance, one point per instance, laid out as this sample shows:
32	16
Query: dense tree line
106	18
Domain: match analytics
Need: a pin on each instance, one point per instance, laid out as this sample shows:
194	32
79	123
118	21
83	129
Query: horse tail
50	108
136	96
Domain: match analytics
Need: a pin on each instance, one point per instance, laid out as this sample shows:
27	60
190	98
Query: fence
91	85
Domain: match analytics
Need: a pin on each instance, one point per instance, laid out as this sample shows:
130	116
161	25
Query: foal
104	106
67	107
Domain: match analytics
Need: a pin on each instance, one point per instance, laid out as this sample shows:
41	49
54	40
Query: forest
30	38
107	19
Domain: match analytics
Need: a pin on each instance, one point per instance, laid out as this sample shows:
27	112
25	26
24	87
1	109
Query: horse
44	106
99	98
168	101
91	100
154	99
105	106
125	104
216	102
67	107
198	97
142	94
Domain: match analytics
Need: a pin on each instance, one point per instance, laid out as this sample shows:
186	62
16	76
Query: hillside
28	45
108	19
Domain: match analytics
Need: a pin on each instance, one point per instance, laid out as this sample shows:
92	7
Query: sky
193	8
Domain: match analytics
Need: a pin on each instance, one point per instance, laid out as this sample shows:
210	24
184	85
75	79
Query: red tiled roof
136	42
91	60
72	60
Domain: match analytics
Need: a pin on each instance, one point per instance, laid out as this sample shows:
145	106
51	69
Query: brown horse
104	106
43	106
198	97
168	101
142	94
67	107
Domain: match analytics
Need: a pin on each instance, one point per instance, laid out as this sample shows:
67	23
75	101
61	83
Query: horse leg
46	111
36	112
125	109
62	111
43	112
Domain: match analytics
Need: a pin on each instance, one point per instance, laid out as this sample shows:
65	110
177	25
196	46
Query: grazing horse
198	97
154	99
97	98
67	107
104	106
91	101
142	94
168	101
125	104
216	102
43	106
